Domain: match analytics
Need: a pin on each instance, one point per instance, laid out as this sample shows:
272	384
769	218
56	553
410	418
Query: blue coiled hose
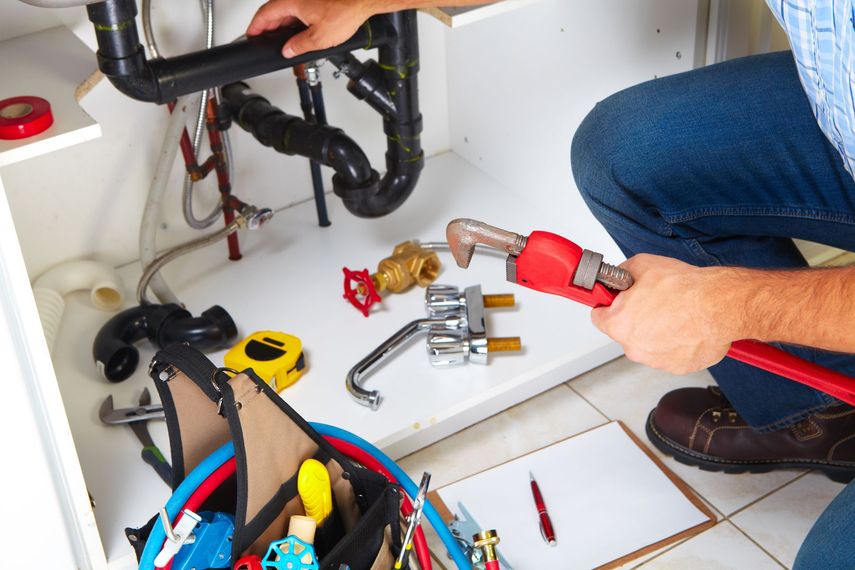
227	451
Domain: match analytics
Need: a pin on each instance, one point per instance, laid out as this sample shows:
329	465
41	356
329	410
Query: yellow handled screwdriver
313	485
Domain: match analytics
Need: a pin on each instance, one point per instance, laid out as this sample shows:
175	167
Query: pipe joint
114	352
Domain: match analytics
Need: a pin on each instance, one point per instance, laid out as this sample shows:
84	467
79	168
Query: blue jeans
722	166
829	543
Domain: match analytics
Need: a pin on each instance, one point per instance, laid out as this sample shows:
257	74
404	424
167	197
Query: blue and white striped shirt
821	33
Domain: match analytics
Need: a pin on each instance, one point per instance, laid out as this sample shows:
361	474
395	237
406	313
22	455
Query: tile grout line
586	400
754	502
757	544
768	494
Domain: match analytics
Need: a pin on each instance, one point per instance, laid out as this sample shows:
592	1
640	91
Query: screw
679	55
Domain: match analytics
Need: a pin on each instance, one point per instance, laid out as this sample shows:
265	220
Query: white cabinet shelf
52	64
290	279
456	17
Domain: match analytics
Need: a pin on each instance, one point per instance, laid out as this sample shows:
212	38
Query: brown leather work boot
698	426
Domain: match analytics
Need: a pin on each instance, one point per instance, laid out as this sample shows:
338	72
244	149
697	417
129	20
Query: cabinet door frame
27	360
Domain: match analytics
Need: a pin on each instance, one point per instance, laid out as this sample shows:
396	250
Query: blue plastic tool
212	547
290	553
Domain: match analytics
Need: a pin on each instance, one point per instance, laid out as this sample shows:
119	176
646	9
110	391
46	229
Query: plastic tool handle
154	457
313	486
549	261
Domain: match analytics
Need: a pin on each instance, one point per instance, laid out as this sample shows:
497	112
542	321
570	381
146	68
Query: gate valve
359	289
410	264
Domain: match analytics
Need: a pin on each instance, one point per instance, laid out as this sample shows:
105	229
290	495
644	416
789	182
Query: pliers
137	418
547	262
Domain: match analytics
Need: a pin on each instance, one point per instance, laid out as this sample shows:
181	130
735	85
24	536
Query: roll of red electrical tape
22	117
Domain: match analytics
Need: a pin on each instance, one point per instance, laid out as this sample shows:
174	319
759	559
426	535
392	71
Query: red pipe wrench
547	262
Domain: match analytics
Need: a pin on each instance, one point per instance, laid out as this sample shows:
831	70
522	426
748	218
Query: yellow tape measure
276	357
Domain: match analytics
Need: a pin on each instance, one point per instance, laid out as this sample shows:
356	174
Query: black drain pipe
122	59
390	87
293	135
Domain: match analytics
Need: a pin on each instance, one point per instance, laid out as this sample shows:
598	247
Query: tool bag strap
206	407
189	388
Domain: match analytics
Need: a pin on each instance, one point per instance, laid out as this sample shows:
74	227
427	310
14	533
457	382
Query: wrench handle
154	457
549	262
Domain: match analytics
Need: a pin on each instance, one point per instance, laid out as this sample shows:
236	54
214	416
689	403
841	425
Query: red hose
492	565
357	454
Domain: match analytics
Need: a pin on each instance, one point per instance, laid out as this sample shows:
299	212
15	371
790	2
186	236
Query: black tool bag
206	407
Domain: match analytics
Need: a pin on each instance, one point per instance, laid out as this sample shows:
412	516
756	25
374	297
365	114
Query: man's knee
610	141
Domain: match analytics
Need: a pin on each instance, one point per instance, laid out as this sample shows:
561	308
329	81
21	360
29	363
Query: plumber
703	179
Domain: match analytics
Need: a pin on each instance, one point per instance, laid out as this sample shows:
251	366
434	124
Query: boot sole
837	473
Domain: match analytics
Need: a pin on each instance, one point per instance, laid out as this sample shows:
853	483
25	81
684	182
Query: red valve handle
249	562
549	261
359	289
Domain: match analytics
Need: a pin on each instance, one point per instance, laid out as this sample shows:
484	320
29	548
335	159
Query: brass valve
409	264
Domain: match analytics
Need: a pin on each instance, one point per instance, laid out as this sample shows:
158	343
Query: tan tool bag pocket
206	407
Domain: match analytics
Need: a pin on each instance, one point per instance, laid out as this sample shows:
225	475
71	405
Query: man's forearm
811	307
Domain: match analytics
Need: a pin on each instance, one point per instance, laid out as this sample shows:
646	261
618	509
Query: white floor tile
536	423
780	522
720	547
623	390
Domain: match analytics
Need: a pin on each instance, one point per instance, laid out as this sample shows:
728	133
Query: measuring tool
276	357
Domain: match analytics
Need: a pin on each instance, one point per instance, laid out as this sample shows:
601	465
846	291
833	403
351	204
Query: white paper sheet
605	496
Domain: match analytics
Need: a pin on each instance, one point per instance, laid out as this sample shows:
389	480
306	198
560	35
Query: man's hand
675	317
329	22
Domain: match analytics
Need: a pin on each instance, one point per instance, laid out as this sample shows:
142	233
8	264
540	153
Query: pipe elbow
114	352
211	330
349	161
381	196
142	88
101	280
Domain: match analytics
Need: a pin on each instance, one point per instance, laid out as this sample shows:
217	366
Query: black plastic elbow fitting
114	352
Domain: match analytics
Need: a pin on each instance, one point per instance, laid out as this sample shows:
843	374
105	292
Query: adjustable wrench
137	418
547	262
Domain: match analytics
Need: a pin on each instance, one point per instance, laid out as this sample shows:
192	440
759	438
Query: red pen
546	529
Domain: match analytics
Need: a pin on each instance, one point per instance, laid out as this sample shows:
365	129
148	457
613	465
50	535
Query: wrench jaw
463	234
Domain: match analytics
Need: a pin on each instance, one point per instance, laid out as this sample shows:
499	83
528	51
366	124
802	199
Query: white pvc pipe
157	189
101	280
